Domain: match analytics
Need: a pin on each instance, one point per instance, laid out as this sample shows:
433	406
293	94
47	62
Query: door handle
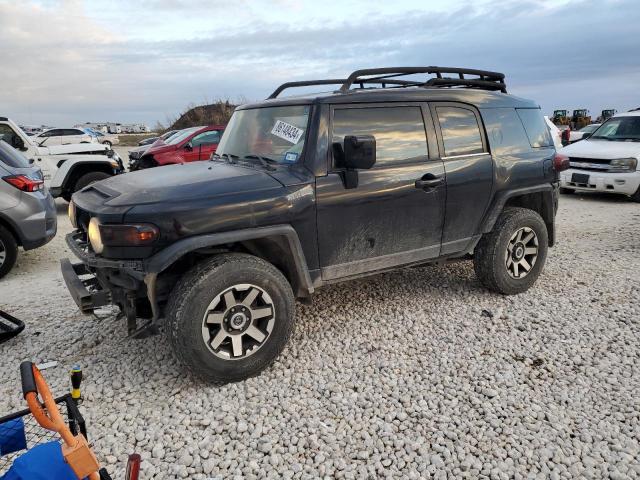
429	181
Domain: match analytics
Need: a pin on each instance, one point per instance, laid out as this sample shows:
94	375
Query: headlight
95	237
121	235
623	165
72	214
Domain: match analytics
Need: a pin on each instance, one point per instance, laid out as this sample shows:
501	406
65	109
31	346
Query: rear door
395	214
464	152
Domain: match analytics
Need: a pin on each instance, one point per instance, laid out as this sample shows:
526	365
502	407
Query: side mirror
188	147
359	152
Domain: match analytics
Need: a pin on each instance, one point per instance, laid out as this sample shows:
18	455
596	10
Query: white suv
62	136
607	160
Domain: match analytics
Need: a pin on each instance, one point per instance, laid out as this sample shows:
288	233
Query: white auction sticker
288	132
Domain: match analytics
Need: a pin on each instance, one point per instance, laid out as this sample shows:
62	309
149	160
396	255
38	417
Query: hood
72	148
603	149
160	147
182	182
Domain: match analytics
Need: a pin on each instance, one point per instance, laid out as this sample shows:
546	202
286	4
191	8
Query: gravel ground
414	374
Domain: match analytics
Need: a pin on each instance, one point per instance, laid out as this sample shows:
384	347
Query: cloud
62	65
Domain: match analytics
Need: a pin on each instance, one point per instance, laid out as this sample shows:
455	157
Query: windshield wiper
600	136
266	162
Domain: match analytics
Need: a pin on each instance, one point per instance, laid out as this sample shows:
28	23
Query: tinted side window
535	126
505	132
399	131
7	134
206	138
460	131
11	157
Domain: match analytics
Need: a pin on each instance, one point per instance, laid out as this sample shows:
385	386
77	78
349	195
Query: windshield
181	135
272	133
619	129
11	157
589	128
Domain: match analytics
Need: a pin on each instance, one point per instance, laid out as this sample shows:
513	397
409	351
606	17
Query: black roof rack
341	81
485	79
444	77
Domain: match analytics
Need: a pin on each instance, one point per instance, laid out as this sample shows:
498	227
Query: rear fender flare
502	198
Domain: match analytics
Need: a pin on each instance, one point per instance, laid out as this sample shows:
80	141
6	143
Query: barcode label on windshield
286	131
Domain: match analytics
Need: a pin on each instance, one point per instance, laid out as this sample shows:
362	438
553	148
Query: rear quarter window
10	157
535	126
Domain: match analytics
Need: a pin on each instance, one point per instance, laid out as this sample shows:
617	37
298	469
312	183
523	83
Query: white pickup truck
66	168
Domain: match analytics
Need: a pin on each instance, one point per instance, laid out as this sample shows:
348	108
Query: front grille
590	164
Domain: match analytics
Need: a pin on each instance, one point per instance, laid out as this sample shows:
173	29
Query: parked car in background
576	135
66	168
28	216
136	153
63	136
190	145
311	191
606	161
103	138
164	136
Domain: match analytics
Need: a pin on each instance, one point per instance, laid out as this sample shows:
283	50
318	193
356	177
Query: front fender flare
166	257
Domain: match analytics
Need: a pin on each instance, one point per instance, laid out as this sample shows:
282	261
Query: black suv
392	169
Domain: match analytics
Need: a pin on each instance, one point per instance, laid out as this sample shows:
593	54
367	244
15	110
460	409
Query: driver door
395	214
202	146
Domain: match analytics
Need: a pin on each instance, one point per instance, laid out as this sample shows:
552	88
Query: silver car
27	210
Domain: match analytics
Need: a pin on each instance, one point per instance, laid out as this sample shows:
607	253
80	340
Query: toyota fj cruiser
390	170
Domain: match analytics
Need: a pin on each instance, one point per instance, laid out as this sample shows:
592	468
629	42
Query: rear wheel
509	259
8	251
567	191
230	317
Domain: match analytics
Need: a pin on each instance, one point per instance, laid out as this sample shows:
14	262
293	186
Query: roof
631	113
479	98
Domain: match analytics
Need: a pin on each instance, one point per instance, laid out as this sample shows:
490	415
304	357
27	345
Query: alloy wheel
522	252
238	322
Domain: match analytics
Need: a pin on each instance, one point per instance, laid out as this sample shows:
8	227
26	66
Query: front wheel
230	316
636	196
509	259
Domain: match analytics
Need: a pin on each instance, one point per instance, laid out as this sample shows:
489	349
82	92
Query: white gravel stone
400	375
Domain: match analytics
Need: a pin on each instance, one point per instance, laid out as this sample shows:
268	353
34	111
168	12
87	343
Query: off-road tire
88	179
190	298
567	191
490	253
636	196
10	245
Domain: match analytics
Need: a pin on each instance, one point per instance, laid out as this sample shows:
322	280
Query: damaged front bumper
98	281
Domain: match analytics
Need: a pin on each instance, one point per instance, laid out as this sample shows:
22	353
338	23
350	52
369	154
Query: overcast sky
72	61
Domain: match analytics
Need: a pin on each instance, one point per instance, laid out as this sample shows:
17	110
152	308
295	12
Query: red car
189	145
